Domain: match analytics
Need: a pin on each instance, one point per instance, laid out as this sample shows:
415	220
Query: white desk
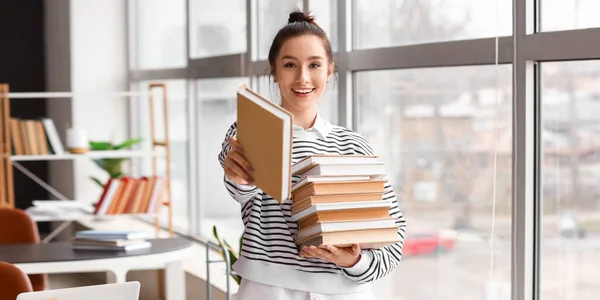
59	257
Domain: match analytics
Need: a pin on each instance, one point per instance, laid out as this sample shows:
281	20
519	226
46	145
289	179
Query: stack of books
131	195
110	240
338	200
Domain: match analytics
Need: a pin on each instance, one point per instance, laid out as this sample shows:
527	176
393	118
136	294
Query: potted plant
233	256
113	166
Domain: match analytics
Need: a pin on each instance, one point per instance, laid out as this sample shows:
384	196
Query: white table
59	257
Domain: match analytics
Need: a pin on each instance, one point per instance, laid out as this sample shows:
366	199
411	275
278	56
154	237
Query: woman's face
302	70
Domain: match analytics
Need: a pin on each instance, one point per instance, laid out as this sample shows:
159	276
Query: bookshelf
9	159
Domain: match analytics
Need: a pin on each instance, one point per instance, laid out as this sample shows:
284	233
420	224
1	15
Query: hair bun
299	16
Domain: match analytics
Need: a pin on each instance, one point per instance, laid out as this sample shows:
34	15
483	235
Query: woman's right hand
237	168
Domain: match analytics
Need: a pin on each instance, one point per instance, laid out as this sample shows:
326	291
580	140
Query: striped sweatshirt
269	254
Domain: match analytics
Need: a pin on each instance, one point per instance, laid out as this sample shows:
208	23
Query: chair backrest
16	227
12	282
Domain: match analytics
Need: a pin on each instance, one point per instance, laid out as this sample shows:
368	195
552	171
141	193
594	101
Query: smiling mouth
303	91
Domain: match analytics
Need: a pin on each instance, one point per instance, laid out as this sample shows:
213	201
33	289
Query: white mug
77	140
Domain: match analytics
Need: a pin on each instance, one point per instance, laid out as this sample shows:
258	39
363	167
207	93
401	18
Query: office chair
12	282
17	227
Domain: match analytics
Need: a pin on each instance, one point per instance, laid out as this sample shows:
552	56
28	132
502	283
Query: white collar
321	127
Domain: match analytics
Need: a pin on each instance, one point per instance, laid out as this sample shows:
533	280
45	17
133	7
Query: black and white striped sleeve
240	192
377	263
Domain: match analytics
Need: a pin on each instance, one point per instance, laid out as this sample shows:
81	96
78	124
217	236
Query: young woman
271	266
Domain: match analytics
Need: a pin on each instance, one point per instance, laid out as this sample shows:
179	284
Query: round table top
63	251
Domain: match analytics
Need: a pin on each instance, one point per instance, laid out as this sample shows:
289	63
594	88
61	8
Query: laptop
114	291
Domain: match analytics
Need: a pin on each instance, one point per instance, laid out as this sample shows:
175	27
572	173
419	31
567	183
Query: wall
98	65
87	54
22	67
58	79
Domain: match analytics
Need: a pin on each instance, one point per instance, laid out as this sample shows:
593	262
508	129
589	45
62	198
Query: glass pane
272	15
388	23
216	102
218	27
325	13
160	34
178	136
570	170
328	105
440	131
569	14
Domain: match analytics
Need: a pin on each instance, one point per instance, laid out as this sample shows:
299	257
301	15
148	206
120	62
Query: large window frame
525	50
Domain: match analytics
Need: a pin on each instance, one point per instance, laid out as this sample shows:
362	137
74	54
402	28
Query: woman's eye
289	65
315	65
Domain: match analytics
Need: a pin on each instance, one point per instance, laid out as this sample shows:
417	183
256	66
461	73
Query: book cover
265	131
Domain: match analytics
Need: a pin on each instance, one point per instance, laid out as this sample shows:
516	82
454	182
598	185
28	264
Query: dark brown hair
299	24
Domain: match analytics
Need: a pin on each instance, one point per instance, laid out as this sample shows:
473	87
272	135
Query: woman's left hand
345	257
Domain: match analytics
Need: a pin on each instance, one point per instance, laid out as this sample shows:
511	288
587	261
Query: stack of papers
338	201
110	240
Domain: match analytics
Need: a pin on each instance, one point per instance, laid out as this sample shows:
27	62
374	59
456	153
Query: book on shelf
110	240
264	130
129	195
34	137
338	200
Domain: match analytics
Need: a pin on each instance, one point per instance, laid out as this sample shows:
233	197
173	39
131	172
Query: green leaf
100	146
96	180
111	165
128	143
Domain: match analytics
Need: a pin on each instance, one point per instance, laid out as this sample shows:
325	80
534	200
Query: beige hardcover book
366	238
265	131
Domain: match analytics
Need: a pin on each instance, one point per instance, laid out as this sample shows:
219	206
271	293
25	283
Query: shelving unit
8	160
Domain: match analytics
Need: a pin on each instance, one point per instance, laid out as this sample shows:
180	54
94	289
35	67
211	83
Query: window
570	173
216	102
325	13
436	130
389	23
272	15
178	134
160	31
569	14
218	27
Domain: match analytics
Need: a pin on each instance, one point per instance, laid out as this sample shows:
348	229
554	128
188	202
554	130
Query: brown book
41	138
367	238
341	187
317	199
349	215
32	137
16	137
25	137
116	197
139	196
125	195
145	205
265	131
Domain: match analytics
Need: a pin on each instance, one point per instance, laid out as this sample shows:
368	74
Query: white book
53	137
373	169
130	247
111	234
344	226
328	159
339	206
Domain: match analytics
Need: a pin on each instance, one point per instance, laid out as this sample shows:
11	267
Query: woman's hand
345	257
237	168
